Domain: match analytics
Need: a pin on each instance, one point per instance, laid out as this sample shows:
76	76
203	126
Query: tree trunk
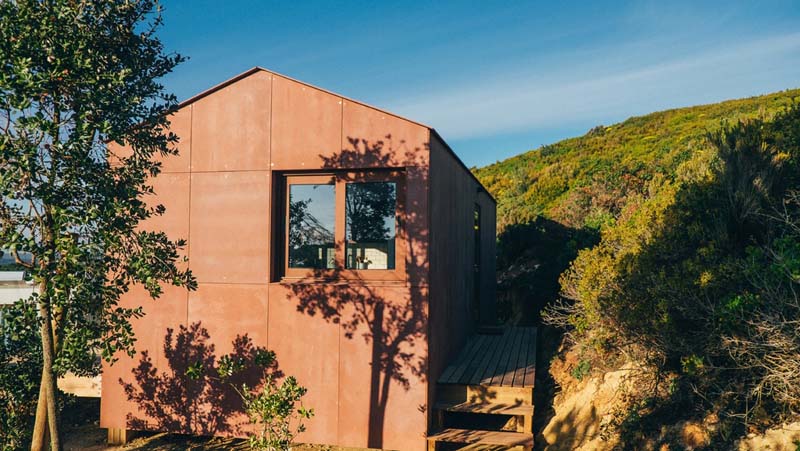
38	440
48	383
39	437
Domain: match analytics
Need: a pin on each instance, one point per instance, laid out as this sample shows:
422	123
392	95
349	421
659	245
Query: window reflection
311	223
370	225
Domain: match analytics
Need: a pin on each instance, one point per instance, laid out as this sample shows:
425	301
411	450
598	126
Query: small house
350	241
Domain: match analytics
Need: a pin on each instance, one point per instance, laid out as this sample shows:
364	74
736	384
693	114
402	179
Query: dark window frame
339	180
321	179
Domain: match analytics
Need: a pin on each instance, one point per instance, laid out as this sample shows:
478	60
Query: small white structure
13	287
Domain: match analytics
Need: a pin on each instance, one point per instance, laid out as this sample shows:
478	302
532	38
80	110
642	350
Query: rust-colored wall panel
181	125
307	347
167	312
306	123
171	191
230	227
406	406
230	310
116	152
355	356
417	225
114	404
372	138
232	318
378	324
230	129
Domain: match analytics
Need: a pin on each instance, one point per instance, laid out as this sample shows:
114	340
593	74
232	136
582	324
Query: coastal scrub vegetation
682	254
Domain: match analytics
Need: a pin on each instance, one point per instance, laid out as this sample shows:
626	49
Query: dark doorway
476	265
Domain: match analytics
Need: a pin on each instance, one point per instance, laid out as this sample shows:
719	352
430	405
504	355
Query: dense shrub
20	371
700	277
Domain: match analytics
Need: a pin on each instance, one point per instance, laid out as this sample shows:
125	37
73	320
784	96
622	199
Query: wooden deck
500	360
484	399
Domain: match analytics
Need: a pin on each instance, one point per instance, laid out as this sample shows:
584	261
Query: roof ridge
255	69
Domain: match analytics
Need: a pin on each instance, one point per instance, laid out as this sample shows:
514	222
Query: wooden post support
120	436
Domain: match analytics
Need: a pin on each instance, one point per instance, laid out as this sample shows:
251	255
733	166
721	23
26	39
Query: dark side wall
488	275
454	192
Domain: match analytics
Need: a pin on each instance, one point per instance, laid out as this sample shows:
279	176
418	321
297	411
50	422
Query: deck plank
530	364
500	371
502	365
480	350
491	369
511	365
516	363
488	353
464	358
507	360
519	370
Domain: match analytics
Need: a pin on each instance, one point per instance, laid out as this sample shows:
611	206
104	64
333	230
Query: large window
343	224
370	217
312	220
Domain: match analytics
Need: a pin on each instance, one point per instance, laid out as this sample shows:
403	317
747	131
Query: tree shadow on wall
392	327
385	153
187	394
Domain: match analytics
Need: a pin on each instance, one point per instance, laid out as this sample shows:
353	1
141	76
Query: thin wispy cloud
526	100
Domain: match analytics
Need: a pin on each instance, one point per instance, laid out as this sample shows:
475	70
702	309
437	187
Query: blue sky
497	78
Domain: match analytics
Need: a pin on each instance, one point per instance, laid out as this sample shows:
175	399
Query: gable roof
256	69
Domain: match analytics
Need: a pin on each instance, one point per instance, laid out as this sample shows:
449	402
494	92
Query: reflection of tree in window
311	221
370	225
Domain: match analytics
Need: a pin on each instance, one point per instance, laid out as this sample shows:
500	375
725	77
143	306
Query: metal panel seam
189	219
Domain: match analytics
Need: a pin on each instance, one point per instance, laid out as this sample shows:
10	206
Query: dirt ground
81	422
92	438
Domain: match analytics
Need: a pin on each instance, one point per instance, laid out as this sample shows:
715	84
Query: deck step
483	394
478	437
488	408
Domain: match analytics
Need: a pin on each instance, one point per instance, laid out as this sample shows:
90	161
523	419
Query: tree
77	75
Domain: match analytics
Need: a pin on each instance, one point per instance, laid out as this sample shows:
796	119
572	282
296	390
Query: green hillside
670	241
586	178
555	200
